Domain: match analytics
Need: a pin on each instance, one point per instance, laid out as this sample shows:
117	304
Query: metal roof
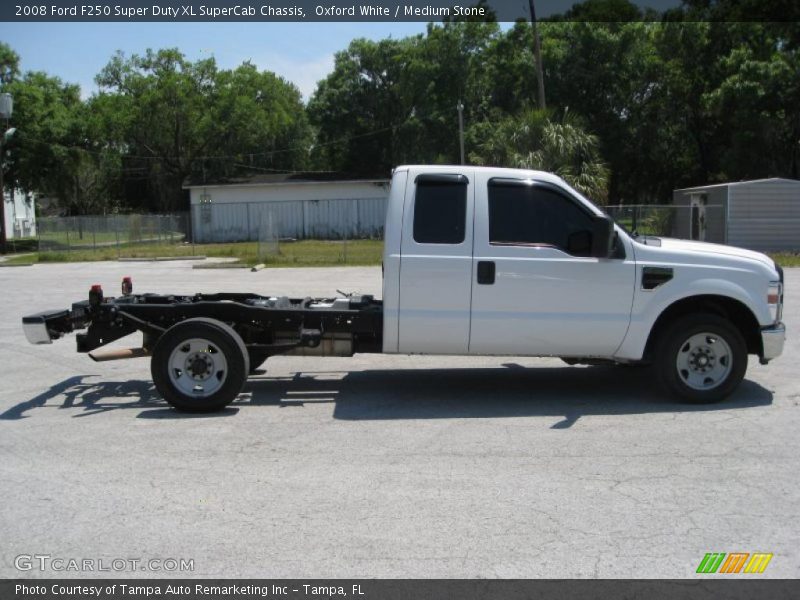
735	183
303	178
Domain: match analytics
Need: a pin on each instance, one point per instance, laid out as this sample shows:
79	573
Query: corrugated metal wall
298	219
765	215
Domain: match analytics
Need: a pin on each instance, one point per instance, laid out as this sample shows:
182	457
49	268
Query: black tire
225	357
701	369
257	358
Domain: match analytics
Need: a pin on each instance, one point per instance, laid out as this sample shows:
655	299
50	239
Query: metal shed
761	214
297	205
20	214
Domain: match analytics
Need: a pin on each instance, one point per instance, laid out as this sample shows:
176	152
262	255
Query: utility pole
6	109
3	241
460	107
537	54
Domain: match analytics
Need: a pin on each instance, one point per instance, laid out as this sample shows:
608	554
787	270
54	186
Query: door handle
486	272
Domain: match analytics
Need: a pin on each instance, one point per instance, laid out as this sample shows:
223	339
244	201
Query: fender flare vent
653	277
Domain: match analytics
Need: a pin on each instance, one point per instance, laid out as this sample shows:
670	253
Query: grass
786	259
16	245
90	239
304	253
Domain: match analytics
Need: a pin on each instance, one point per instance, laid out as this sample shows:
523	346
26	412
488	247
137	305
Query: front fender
648	305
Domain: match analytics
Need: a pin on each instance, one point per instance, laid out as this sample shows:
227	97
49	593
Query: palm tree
534	139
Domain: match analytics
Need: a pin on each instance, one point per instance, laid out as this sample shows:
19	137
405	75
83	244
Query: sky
300	52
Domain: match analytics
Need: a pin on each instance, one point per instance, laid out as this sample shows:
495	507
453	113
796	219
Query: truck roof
499	171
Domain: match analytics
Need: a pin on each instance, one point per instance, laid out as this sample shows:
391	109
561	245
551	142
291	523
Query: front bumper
772	340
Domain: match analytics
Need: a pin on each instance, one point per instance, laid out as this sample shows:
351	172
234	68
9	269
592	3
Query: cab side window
526	214
440	209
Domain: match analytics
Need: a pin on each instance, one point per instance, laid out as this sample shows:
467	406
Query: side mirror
579	243
602	236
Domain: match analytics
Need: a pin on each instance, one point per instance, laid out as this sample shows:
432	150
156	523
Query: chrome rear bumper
37	333
44	327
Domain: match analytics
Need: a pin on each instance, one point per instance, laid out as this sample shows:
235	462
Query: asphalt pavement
379	466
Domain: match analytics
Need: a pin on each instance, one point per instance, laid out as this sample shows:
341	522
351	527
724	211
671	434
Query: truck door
536	290
436	262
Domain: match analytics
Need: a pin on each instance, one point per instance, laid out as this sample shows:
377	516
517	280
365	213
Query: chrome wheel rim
704	361
197	367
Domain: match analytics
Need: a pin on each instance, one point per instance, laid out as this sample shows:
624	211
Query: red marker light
127	286
96	295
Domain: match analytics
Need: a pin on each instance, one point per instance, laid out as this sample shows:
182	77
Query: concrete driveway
380	466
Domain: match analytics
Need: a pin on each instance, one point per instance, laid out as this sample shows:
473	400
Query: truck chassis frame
267	325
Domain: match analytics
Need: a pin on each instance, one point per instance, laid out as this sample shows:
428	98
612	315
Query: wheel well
737	313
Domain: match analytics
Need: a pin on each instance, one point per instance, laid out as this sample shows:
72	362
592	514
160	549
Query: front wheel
701	358
199	365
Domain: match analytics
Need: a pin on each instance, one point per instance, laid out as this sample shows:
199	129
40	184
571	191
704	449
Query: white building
299	206
20	214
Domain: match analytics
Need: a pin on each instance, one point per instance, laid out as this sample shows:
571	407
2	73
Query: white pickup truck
477	261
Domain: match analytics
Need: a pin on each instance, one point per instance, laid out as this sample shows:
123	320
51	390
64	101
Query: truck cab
493	261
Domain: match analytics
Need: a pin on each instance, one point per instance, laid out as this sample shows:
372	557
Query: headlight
775	300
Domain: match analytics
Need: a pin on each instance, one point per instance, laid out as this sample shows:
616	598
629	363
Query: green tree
359	106
756	103
170	119
394	101
612	11
534	140
9	64
41	155
608	73
448	66
741	11
258	119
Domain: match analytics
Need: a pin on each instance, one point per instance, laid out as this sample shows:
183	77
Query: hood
708	248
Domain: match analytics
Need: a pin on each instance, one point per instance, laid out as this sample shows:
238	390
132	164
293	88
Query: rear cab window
440	209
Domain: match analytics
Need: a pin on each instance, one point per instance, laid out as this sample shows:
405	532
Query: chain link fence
269	229
333	231
268	238
275	244
706	222
123	235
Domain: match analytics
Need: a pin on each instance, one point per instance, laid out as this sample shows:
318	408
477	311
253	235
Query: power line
267	170
230	157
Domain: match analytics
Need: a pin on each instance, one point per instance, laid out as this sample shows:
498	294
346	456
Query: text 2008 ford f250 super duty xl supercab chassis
477	261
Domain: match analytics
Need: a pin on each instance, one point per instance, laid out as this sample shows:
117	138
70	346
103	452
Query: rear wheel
199	365
702	358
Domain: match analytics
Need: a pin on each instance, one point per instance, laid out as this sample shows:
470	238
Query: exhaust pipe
118	354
